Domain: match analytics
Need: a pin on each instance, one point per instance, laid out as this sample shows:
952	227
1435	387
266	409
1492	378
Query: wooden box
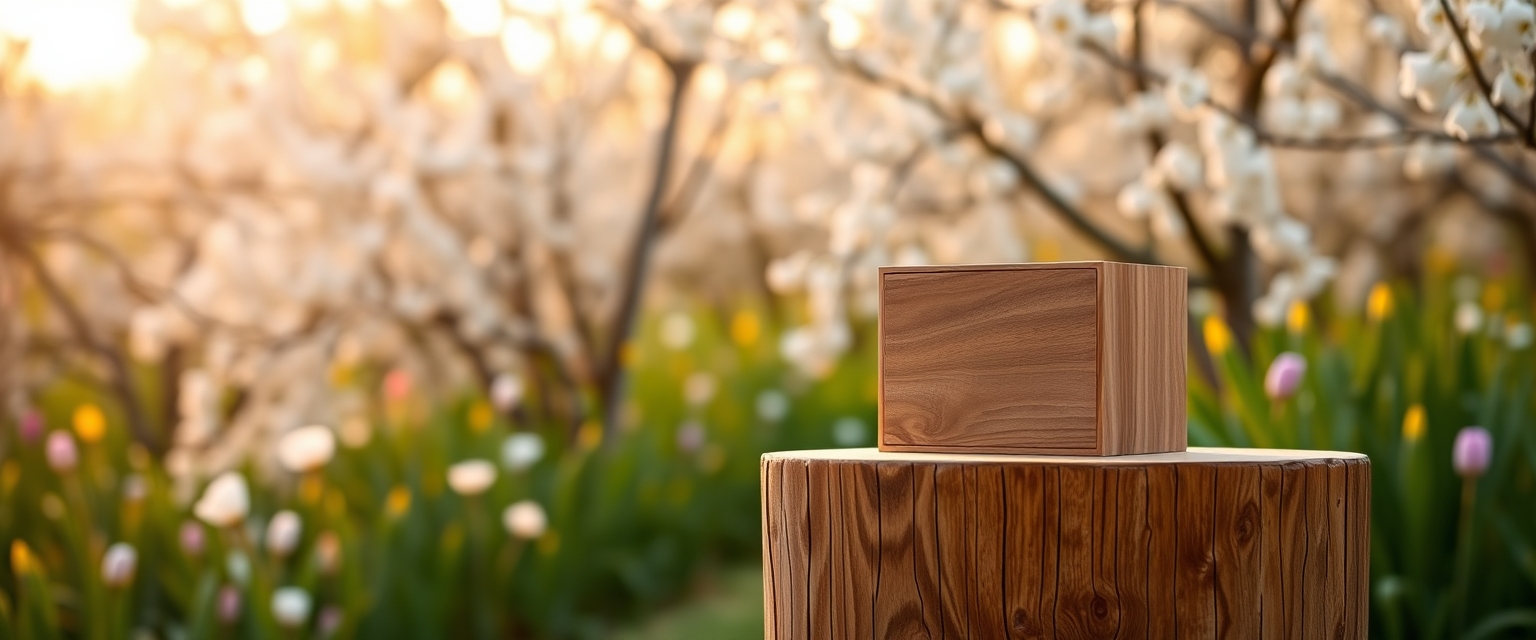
1072	358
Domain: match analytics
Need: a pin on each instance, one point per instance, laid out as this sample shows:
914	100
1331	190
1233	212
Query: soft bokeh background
470	318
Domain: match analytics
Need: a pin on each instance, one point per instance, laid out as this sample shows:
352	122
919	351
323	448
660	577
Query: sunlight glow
536	7
526	46
263	17
845	29
75	43
475	18
582	29
735	21
1017	41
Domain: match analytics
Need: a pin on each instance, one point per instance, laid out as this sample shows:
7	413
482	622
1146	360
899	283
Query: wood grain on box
1082	358
1209	543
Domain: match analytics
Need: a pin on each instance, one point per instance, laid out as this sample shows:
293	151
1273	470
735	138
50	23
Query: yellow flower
90	423
590	435
1298	318
745	328
1379	305
22	559
1414	423
628	354
311	488
481	416
1218	338
1494	297
398	502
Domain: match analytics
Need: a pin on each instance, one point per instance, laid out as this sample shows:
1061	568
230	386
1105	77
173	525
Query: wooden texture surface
1211	543
1080	358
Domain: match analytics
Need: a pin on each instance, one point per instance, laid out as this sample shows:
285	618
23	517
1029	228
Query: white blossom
290	607
1513	85
1427	78
1186	91
1471	117
520	451
772	405
525	519
283	533
506	391
1061	20
1386	31
1469	317
225	502
306	448
1178	166
118	565
471	477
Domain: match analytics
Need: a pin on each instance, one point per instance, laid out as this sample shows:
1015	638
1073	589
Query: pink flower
192	538
30	425
1284	375
229	604
397	385
63	455
1472	451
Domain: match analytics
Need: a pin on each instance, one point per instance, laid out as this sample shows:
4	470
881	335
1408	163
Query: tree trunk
1208	543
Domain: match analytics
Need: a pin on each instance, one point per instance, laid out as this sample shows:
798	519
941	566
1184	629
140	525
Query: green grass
727	607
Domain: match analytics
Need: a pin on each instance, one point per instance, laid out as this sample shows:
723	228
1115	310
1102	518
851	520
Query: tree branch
612	372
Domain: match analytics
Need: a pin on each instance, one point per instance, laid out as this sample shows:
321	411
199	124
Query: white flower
1513	86
1178	166
772	405
306	448
1431	19
1320	115
471	477
225	502
1427	78
1518	336
1282	239
118	564
1100	31
283	533
506	391
1471	117
699	388
1285	115
1386	31
1285	79
1185	92
1508	30
1061	20
1469	316
848	431
290	606
677	331
1136	200
1313	52
525	519
520	451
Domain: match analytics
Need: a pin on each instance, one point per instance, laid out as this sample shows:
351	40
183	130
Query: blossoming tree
474	190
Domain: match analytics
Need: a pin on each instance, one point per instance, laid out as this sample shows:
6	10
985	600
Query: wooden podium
1206	543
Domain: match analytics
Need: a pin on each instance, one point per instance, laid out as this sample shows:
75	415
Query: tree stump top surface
1195	455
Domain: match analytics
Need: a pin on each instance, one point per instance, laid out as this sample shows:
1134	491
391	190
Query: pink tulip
192	538
229	604
30	425
1472	451
63	455
1284	375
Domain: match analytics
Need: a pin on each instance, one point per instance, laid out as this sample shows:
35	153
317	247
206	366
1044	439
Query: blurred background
470	318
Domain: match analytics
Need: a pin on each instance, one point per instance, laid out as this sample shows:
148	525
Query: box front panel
990	360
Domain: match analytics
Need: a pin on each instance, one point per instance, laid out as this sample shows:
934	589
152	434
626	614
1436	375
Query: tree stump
1229	543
